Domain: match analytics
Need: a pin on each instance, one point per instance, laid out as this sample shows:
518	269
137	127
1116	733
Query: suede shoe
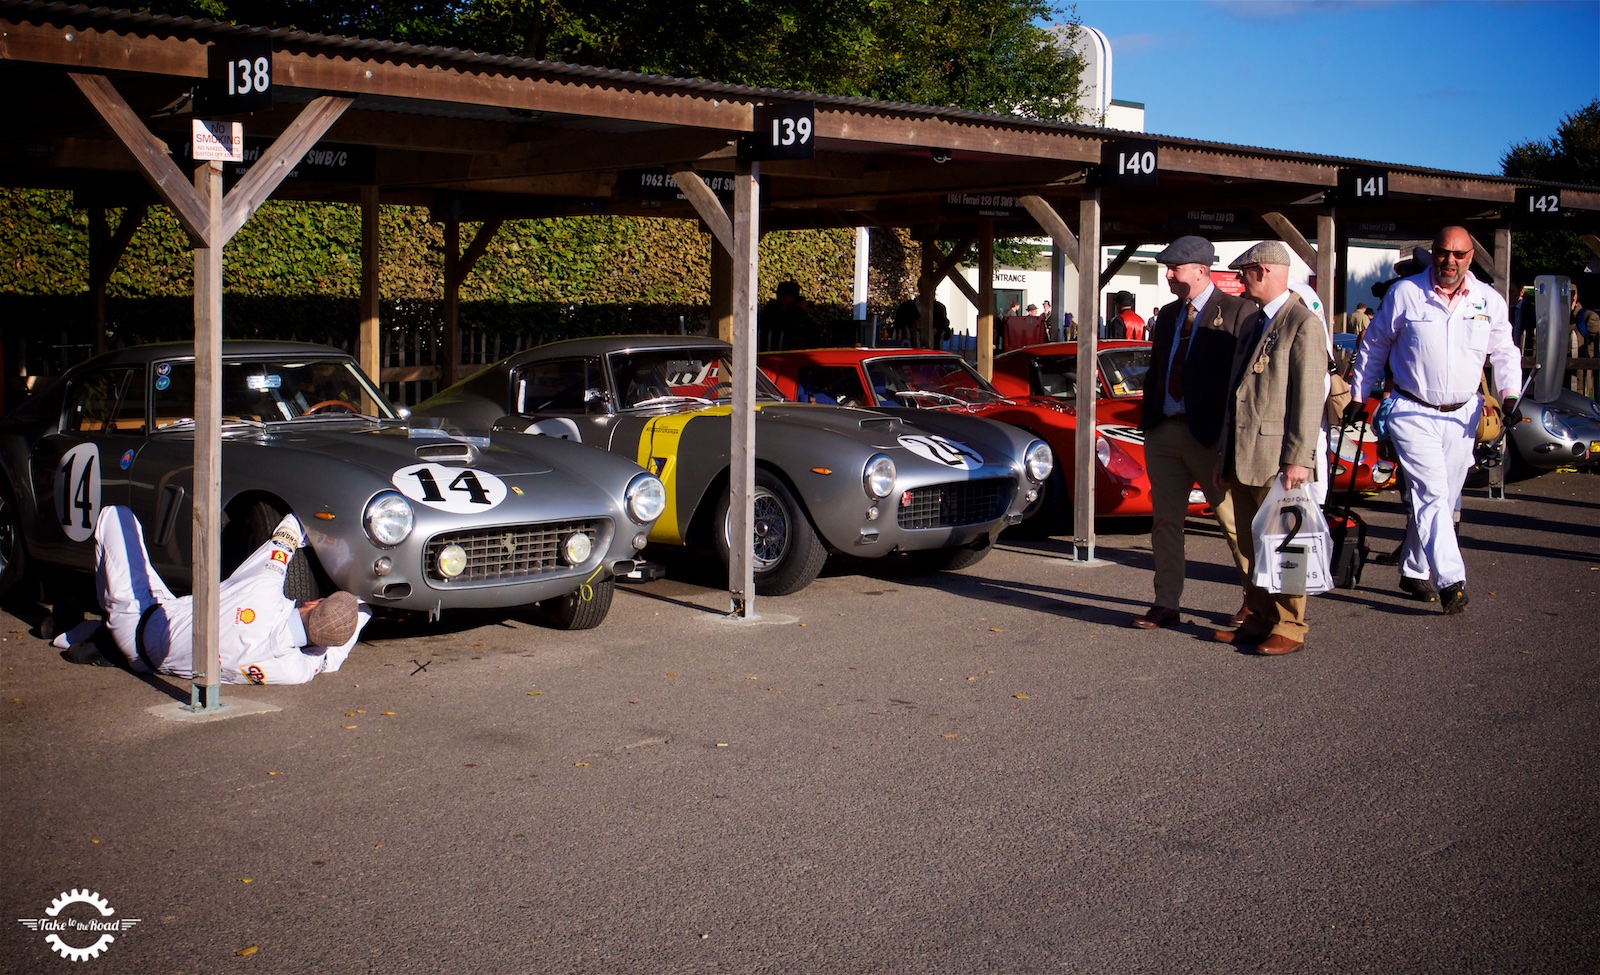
1454	598
1277	645
1155	618
1419	589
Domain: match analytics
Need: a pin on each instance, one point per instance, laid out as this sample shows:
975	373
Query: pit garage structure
96	100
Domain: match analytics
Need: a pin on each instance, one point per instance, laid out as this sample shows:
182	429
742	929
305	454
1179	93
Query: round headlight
646	498
576	548
878	476
1102	450
388	518
1555	426
1039	461
452	560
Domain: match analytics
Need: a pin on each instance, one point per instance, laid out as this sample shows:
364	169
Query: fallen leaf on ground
247	880
580	764
247	952
348	727
951	734
995	629
1020	697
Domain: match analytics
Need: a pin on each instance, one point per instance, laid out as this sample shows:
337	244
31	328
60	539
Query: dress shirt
1436	351
1170	406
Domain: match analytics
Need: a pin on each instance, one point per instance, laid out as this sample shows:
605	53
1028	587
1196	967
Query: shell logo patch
245	615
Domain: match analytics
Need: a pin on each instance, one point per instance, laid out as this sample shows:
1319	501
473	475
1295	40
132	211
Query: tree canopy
984	55
1572	155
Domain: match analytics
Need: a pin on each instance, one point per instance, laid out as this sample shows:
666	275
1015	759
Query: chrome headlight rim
452	561
388	518
577	547
1038	461
878	476
1102	450
645	499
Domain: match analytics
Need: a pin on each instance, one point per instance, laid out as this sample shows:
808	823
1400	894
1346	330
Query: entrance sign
786	131
1129	162
238	77
218	140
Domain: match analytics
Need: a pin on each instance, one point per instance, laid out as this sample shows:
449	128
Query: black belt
1446	408
138	634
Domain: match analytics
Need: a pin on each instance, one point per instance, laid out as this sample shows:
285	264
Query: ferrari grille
956	503
511	553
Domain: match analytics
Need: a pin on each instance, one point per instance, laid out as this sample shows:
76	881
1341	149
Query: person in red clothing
1132	324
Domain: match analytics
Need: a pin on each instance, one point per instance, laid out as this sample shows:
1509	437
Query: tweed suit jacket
1274	415
1209	369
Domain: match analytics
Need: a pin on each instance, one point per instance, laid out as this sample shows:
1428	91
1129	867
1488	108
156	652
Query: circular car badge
943	451
458	489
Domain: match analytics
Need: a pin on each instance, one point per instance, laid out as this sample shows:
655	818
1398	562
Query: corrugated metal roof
126	20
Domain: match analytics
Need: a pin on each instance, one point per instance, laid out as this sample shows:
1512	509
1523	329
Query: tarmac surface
984	771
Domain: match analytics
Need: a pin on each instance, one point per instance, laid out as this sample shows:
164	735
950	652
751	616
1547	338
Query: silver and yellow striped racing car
829	479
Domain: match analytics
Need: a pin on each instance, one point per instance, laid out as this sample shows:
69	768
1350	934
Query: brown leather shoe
1277	645
1237	619
1156	617
1244	636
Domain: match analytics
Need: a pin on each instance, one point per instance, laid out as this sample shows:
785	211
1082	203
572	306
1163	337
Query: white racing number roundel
78	491
461	490
943	451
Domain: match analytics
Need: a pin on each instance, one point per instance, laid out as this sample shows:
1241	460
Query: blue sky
1447	84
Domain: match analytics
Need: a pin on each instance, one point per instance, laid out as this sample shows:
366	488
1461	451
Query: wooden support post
205	693
722	290
369	340
985	362
1082	473
742	455
1327	264
452	302
1291	235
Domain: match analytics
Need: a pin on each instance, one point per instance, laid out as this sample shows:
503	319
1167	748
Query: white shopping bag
1293	547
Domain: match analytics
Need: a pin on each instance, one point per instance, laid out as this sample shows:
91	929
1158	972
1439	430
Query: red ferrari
927	379
1052	370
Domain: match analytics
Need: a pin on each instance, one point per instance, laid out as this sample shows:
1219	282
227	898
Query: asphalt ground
986	771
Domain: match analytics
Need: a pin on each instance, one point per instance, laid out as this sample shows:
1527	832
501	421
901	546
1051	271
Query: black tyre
13	554
582	609
948	559
1053	513
249	531
788	553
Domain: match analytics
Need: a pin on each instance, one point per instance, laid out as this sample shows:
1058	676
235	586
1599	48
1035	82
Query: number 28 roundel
457	489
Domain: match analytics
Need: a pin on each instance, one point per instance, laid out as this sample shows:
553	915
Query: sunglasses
1440	254
1241	272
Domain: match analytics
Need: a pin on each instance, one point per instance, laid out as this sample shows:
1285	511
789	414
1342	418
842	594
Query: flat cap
1188	250
1266	252
332	622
